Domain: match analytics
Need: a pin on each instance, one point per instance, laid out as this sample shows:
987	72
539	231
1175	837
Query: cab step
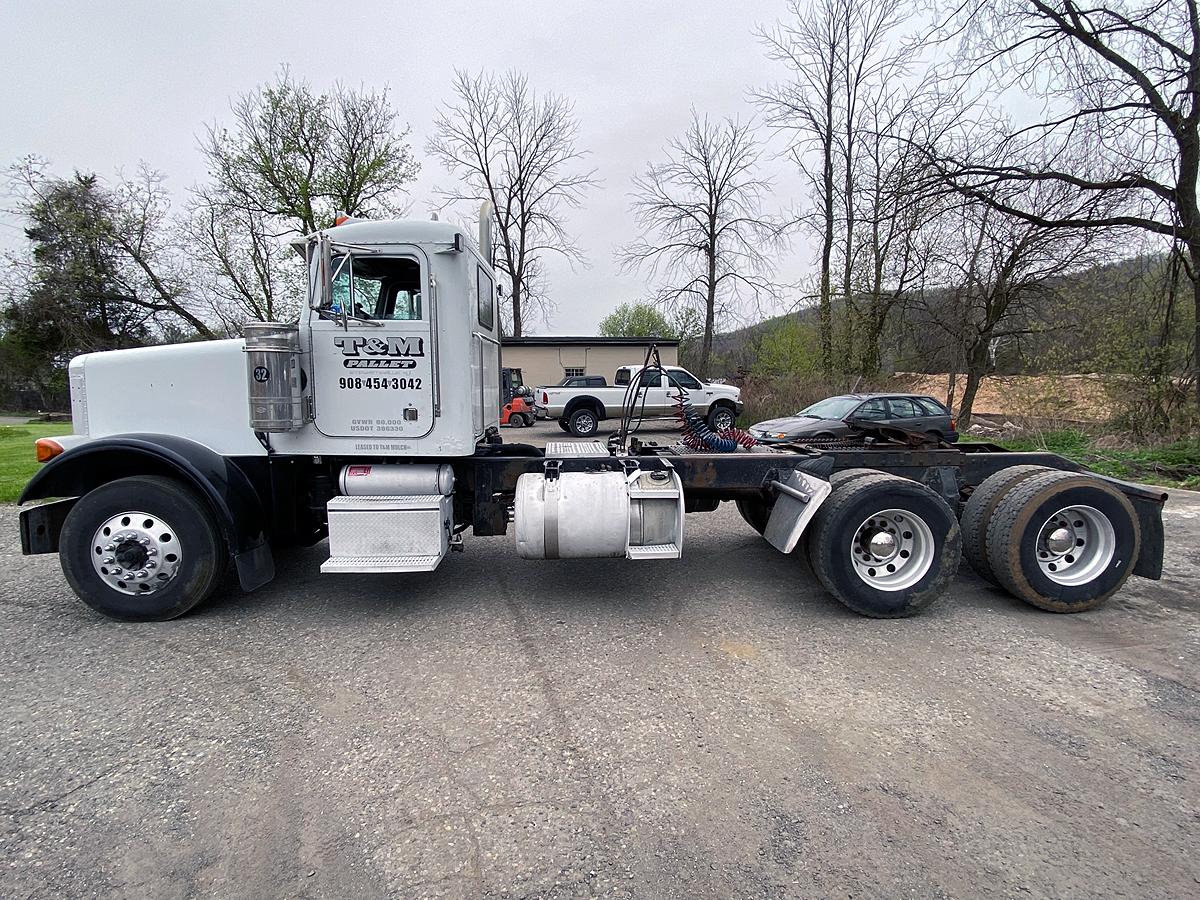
402	533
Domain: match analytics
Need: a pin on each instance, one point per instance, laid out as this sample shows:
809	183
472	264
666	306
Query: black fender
592	403
228	491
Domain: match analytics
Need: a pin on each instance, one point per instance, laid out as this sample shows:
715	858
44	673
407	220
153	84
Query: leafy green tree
791	348
98	274
292	160
636	320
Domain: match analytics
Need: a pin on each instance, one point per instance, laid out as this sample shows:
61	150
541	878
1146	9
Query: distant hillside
1093	298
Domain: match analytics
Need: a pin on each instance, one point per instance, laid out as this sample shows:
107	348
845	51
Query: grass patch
1171	465
17	460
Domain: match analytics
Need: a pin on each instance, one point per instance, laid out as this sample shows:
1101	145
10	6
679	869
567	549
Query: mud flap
798	496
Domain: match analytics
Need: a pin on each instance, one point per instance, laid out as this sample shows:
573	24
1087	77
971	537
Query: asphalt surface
709	727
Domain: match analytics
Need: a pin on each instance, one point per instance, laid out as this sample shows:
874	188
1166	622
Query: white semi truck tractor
372	422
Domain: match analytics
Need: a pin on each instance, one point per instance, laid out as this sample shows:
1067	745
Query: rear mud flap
798	496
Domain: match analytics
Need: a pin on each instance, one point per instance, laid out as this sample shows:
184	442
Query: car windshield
832	408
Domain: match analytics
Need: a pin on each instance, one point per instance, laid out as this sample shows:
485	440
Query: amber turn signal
47	449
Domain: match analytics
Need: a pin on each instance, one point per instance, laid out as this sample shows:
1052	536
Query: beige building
548	360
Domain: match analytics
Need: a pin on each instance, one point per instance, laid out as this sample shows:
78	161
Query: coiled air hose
698	436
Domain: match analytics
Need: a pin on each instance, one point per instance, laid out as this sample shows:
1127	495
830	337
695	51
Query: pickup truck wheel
721	418
141	549
584	423
564	425
885	546
977	513
1063	542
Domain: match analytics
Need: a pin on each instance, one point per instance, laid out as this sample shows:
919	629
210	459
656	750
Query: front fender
224	486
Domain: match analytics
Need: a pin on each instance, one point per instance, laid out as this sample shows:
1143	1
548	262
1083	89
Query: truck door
372	345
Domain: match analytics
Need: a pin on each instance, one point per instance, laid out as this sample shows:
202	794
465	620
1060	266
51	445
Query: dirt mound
1070	398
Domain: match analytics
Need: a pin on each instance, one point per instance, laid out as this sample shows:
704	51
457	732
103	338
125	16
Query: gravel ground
711	727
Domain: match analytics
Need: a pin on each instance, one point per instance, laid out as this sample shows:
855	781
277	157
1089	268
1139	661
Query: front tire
141	549
721	418
885	546
584	423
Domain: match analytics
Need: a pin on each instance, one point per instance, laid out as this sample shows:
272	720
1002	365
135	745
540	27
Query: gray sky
99	85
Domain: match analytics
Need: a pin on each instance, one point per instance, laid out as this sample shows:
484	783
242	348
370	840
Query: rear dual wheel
1062	541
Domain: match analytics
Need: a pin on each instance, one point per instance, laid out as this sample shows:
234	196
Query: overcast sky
100	85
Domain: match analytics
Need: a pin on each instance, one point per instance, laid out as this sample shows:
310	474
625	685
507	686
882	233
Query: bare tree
517	149
897	196
704	231
994	275
1119	83
809	45
292	160
842	55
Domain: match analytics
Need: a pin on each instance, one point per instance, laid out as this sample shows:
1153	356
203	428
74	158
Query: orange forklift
518	409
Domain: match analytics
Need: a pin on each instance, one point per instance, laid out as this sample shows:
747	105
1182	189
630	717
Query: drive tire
584	422
564	425
192	528
721	417
1018	524
754	513
933	555
978	511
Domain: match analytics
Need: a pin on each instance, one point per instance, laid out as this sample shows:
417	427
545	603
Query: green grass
1171	465
17	459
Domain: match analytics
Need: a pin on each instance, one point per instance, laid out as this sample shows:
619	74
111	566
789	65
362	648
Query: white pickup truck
580	410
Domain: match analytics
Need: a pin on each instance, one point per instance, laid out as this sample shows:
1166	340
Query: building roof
576	341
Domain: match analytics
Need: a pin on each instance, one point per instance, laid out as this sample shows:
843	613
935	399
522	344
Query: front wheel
141	549
584	423
721	418
885	546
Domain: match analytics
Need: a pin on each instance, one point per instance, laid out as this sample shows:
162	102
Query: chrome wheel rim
1076	545
586	424
892	550
723	419
136	553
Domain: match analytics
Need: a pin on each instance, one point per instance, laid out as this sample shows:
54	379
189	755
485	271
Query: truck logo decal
380	353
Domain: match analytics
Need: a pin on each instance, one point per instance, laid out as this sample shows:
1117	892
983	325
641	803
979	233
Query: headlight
780	434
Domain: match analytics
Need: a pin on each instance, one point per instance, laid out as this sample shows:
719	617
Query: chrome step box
388	534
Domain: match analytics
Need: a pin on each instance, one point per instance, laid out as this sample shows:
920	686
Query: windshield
832	408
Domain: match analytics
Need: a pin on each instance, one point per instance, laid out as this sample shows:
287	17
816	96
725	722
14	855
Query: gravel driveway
709	727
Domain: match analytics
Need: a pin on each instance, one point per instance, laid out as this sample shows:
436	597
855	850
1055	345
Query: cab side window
682	379
486	291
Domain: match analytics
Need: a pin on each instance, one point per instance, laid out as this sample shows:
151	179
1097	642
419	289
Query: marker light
47	449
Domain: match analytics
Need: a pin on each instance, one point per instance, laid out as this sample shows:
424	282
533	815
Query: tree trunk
976	369
1194	254
516	307
825	308
710	308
